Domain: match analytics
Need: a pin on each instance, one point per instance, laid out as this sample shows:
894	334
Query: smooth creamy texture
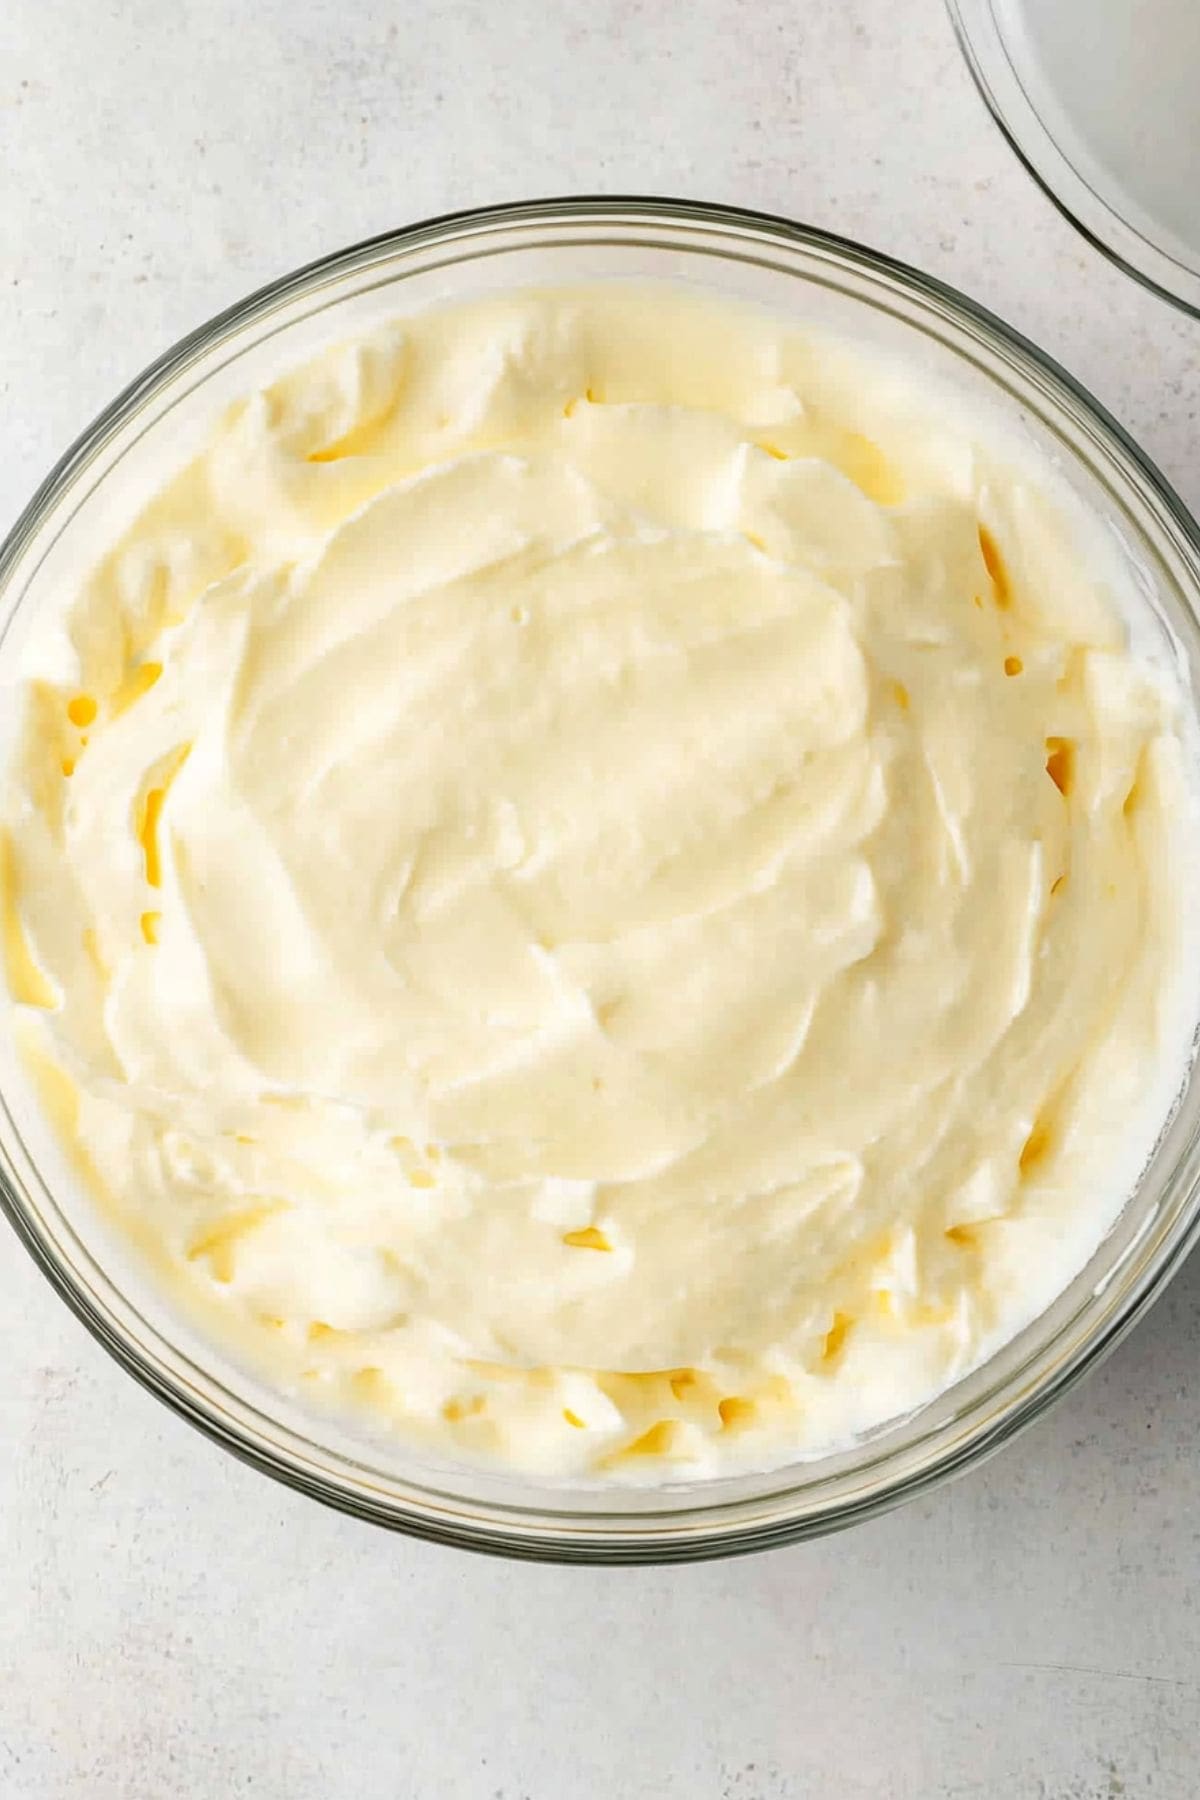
619	903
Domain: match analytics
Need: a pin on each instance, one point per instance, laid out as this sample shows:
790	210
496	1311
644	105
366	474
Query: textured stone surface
173	1627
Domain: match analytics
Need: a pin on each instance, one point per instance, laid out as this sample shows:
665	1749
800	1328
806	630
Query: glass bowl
1099	102
832	284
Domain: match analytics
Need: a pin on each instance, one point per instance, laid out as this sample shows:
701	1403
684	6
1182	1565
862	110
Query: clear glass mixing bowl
149	427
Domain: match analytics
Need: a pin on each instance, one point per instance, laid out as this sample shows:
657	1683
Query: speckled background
173	1627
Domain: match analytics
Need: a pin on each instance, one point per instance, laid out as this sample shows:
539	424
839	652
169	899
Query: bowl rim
594	1536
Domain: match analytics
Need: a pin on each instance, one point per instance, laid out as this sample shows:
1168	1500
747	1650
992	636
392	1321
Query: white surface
172	1625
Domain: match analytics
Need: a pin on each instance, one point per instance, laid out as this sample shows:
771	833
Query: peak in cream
599	879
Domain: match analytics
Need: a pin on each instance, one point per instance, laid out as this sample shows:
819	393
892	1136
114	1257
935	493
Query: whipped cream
597	878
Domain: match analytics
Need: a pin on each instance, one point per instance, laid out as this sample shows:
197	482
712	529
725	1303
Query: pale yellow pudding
600	878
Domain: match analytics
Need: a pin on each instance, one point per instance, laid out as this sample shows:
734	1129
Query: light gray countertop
172	1625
